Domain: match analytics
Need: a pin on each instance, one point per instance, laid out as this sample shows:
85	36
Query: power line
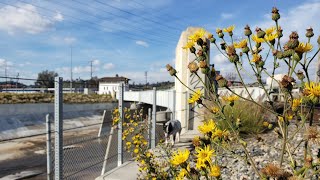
119	22
133	14
126	34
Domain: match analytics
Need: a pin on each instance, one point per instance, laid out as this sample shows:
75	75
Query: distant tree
46	79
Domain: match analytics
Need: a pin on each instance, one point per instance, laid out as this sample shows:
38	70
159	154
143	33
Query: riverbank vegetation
15	98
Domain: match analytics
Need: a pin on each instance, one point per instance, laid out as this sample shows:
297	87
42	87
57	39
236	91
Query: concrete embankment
18	120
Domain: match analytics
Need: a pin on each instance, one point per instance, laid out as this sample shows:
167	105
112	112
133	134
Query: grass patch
251	117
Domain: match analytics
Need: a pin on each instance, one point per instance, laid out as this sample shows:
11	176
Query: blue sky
126	37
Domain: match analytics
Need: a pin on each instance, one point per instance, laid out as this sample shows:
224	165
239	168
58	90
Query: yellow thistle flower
280	118
230	98
214	110
180	157
200	33
270	37
265	124
189	45
303	47
256	39
229	29
295	104
136	150
289	117
148	154
207	127
270	30
217	133
312	91
256	58
241	44
215	171
205	154
182	174
200	164
195	97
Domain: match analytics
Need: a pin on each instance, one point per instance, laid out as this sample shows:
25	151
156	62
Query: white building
110	85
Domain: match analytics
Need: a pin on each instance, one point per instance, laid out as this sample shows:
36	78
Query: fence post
153	123
102	122
149	127
48	127
120	154
107	151
58	123
174	105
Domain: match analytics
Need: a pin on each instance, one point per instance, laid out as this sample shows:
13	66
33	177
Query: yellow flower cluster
207	127
195	97
295	104
312	91
241	44
180	157
230	99
303	47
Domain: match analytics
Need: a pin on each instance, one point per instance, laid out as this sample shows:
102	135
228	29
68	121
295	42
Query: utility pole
71	69
17	80
91	69
5	72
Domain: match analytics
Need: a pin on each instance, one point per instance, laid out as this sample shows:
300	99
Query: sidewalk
129	170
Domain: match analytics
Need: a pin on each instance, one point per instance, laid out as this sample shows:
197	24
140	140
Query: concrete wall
19	120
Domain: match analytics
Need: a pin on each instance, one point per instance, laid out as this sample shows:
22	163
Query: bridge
179	106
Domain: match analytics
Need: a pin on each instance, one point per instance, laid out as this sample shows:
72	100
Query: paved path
129	170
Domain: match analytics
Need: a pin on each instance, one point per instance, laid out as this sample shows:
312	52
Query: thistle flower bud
200	42
192	50
297	56
171	70
300	75
318	41
231	50
260	32
275	14
309	32
270	126
287	53
200	52
212	40
223	45
286	83
234	58
193	67
261	64
210	36
241	54
245	50
293	40
279	55
280	34
205	70
220	35
221	81
203	64
247	30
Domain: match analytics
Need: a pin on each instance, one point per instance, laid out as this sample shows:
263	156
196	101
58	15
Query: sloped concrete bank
18	120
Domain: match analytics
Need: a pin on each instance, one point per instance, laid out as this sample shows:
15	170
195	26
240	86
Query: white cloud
96	62
142	43
58	17
24	18
69	40
81	69
220	59
108	66
225	16
4	63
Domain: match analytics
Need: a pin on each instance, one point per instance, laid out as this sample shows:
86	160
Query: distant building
110	85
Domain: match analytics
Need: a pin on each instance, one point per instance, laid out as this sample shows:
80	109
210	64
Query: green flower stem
263	107
184	84
251	160
305	54
285	130
251	64
245	150
221	51
313	57
238	72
